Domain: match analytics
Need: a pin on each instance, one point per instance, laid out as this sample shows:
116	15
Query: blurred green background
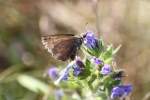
22	22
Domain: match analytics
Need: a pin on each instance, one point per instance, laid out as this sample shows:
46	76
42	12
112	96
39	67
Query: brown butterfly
62	46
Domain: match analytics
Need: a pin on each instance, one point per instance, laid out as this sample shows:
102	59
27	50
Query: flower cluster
78	67
104	79
90	41
121	91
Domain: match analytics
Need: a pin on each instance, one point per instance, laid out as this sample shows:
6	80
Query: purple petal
90	41
53	73
117	92
121	91
64	73
78	67
96	61
127	88
106	69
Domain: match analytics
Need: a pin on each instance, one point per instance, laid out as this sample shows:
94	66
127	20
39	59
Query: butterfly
62	46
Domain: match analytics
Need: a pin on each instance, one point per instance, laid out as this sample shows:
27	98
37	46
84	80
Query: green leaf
109	82
87	63
109	60
101	95
101	45
84	74
33	84
108	53
86	50
117	49
73	84
92	79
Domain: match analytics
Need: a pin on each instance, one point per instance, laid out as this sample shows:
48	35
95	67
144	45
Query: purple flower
53	73
121	91
78	67
106	69
90	41
117	92
65	77
64	73
127	88
96	61
76	71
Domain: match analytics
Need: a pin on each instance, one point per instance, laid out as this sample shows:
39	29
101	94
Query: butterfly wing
66	49
49	41
62	47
